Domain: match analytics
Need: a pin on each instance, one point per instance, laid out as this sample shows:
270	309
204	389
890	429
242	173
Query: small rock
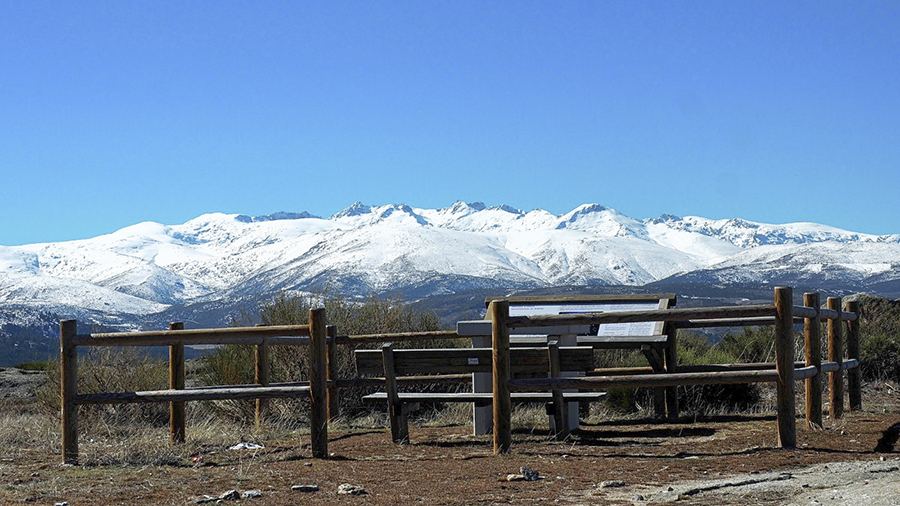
670	489
231	495
638	497
529	474
64	503
612	484
203	499
515	477
348	489
305	488
251	494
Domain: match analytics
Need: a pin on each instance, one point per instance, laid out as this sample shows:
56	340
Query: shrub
373	315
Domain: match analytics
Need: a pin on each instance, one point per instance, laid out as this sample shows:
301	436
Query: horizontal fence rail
313	336
784	372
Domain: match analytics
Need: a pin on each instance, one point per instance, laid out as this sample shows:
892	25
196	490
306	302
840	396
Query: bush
234	364
113	369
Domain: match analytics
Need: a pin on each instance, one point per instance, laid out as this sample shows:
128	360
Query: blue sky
113	113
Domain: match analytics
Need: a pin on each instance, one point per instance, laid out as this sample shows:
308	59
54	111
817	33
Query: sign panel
612	329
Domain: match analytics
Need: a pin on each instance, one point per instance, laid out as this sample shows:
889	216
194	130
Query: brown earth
611	462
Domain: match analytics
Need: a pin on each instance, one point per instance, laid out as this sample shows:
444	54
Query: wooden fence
323	384
782	314
313	335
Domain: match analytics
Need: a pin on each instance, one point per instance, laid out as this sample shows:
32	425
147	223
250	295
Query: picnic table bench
432	364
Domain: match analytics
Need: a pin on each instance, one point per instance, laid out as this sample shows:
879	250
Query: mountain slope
217	261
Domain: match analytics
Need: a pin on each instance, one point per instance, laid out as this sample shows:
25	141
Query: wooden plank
397	336
854	375
194	394
68	390
622	342
560	407
501	404
784	364
670	315
485	398
813	346
469	360
399	421
645	380
835	354
670	359
176	382
550	299
280	334
334	401
262	378
318	383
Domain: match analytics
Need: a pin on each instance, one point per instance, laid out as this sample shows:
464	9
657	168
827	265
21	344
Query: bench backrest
537	305
469	360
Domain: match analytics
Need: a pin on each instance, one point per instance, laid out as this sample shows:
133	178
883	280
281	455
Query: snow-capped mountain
149	268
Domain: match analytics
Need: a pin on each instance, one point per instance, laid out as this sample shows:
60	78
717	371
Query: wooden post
671	362
560	407
262	378
399	418
502	405
318	377
334	402
176	382
784	364
813	347
68	389
854	376
835	354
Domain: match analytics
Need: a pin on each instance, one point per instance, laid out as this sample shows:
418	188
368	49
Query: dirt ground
714	460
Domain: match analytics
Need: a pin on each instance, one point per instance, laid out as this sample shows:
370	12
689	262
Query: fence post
784	362
262	378
854	376
176	382
318	378
813	346
836	354
334	401
502	405
68	389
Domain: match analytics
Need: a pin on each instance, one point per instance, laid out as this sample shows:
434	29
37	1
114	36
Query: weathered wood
670	359
262	378
784	363
829	367
277	334
645	380
195	394
397	336
668	315
726	322
68	390
560	407
550	299
835	354
803	373
484	398
398	416
622	342
318	383
813	350
334	402
378	381
854	375
176	382
502	405
470	360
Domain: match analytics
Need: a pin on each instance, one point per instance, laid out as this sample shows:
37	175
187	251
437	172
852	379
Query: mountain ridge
217	259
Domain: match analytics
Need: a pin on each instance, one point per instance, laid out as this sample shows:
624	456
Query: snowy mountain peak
216	258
